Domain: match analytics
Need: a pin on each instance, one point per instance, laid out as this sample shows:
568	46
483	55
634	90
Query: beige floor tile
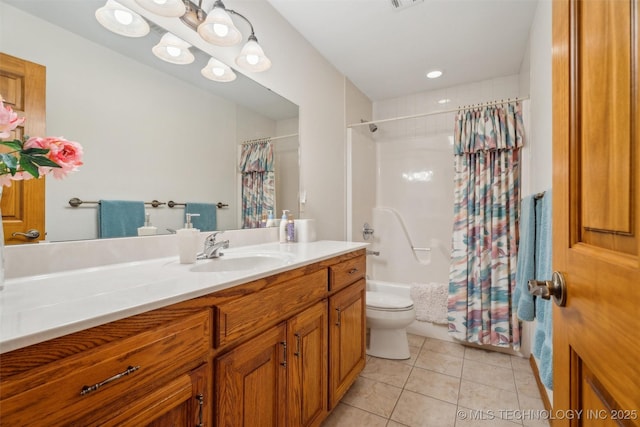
434	384
492	375
526	383
392	372
415	340
479	396
392	423
532	411
345	415
444	347
372	396
415	410
520	363
489	357
439	362
466	417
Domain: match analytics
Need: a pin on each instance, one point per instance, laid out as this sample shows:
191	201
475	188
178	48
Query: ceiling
386	52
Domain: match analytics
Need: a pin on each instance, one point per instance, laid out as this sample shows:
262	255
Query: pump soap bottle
283	227
291	231
188	241
147	229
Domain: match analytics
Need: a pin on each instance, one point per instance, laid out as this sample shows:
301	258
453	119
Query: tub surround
128	277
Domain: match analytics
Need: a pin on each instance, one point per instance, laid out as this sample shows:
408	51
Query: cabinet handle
200	398
338	321
353	271
88	389
297	352
284	353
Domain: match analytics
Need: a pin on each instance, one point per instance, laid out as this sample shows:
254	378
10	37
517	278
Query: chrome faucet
212	247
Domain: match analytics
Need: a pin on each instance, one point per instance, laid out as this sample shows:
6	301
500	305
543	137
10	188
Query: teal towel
119	218
207	219
543	335
525	269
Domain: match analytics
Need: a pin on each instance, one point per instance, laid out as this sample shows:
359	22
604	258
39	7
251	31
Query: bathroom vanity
245	343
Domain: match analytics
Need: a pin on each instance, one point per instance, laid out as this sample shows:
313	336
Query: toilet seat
388	302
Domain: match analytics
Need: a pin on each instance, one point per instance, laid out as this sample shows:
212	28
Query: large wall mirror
150	130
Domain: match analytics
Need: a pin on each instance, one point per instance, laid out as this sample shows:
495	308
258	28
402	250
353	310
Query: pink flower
67	154
9	120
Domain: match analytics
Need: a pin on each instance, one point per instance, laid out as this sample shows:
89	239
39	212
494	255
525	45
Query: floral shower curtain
485	232
257	166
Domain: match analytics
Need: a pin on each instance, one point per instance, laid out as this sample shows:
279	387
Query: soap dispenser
291	231
271	222
283	227
188	241
147	229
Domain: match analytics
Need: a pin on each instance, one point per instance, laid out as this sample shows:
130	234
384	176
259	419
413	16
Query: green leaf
45	161
10	160
14	145
26	163
36	150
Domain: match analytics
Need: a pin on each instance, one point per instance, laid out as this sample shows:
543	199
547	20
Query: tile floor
443	384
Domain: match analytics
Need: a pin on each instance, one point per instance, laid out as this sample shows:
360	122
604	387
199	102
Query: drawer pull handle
338	321
297	352
353	271
284	353
88	389
200	398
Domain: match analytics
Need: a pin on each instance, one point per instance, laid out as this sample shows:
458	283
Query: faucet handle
211	238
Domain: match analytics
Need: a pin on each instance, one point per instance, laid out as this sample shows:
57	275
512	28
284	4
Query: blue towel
119	218
543	335
522	300
207	219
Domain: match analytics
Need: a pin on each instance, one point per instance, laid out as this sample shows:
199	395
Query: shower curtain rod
432	113
272	138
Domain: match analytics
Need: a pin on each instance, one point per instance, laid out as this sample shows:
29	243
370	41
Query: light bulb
160	2
218	71
221	30
174	51
123	16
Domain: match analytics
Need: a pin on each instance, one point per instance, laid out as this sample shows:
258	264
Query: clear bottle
283	227
291	229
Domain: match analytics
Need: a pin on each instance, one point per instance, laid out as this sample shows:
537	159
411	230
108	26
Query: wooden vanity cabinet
139	371
347	326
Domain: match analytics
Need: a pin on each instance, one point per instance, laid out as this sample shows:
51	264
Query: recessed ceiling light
444	101
434	74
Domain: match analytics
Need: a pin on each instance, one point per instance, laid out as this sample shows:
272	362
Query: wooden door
596	219
251	382
347	348
22	85
308	351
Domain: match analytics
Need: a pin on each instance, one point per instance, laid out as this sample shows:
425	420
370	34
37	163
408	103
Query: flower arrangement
35	156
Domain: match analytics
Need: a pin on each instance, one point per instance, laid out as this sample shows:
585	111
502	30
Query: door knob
30	234
546	289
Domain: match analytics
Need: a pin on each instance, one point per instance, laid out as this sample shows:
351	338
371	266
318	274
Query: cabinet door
181	402
308	352
251	382
347	323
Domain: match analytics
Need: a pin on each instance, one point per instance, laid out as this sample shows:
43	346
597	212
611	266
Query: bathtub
424	329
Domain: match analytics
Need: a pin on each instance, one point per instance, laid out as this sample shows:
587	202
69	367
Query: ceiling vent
403	4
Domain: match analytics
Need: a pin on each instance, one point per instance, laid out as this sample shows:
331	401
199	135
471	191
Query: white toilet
388	316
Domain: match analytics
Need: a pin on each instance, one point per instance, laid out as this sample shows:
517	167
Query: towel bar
421	249
173	204
75	202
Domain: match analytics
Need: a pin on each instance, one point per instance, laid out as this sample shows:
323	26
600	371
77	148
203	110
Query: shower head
372	126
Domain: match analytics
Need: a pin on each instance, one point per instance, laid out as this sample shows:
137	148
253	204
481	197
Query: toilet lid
387	301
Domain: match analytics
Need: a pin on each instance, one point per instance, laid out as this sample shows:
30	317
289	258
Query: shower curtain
257	166
486	212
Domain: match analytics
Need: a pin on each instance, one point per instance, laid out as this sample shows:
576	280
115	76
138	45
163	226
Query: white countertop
38	308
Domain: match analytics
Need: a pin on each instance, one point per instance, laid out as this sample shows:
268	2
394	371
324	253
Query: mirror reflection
150	130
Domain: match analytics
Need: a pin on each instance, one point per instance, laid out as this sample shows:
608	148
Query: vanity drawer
238	318
347	272
81	388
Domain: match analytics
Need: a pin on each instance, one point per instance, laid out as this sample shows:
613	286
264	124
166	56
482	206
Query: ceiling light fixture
444	101
434	74
218	71
168	8
217	27
174	50
121	20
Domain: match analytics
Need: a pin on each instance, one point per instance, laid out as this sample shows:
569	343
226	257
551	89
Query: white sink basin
242	262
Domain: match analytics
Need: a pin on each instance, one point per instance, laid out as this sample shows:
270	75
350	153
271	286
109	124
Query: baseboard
541	388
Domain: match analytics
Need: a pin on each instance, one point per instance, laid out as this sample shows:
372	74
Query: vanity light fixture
217	27
121	20
218	71
173	49
168	8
